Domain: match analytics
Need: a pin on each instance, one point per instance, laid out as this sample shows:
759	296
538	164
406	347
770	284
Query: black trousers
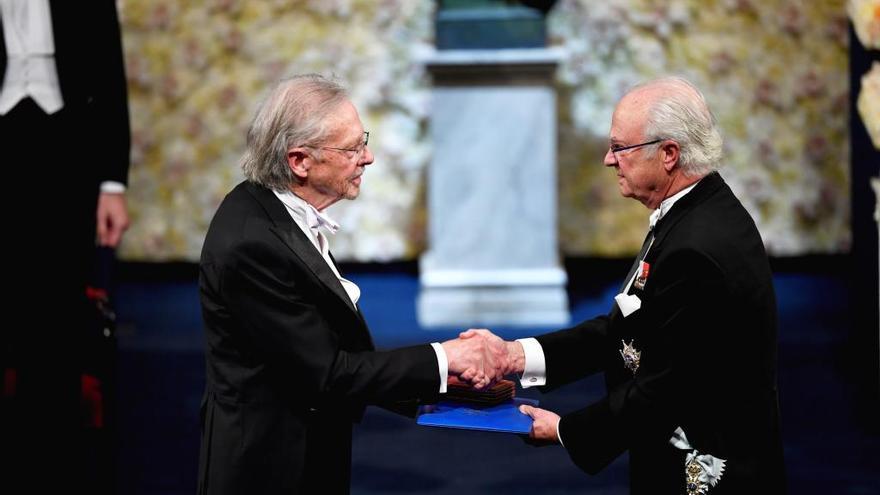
48	253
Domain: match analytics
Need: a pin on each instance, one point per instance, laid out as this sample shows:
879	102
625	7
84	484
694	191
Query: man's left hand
112	218
544	425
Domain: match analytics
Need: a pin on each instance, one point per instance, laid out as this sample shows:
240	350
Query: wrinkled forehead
344	121
628	119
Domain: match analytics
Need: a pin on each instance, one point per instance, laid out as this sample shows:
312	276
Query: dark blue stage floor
830	445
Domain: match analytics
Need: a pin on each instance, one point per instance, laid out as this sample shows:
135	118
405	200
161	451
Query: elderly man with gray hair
290	361
689	347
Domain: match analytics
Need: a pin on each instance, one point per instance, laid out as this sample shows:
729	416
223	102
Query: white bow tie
655	216
316	220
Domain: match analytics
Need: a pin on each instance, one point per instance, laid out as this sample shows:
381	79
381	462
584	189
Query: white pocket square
628	303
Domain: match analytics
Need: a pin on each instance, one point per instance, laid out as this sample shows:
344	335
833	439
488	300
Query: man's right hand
477	361
512	351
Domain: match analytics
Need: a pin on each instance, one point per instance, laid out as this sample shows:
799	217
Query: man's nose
610	160
367	156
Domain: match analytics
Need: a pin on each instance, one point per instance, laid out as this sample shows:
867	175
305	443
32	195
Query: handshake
480	358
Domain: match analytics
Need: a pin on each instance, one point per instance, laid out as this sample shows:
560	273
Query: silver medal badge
631	356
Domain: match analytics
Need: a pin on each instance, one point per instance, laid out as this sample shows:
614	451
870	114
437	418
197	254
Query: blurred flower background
865	16
774	71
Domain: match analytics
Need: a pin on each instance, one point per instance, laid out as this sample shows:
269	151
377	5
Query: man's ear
670	153
299	160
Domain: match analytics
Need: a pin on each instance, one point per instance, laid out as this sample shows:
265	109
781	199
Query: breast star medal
630	356
695	485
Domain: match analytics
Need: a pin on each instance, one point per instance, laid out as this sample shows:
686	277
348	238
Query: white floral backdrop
865	16
775	72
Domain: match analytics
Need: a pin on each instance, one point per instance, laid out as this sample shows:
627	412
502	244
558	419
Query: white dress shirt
311	221
30	49
535	369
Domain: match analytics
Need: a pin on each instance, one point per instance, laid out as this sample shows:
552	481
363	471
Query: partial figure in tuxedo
64	130
290	361
689	348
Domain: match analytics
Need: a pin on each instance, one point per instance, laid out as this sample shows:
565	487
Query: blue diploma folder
504	417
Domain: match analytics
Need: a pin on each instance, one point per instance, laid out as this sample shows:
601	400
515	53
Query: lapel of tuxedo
292	236
357	309
702	191
67	17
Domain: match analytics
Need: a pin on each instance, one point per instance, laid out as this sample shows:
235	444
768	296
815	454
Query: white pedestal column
493	254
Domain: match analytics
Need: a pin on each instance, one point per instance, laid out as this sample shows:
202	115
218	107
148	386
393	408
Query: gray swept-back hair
294	114
681	114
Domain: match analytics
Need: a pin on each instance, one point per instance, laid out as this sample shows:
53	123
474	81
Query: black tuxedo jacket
706	331
91	73
290	361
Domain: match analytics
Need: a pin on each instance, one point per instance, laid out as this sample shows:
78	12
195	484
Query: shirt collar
307	213
667	203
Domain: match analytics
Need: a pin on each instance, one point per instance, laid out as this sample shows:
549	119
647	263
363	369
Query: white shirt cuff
534	369
559	433
112	187
442	364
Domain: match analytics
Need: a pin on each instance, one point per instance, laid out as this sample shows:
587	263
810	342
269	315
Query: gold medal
694	471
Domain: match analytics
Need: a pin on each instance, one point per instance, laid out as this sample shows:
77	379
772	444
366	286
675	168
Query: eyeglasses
357	151
618	149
